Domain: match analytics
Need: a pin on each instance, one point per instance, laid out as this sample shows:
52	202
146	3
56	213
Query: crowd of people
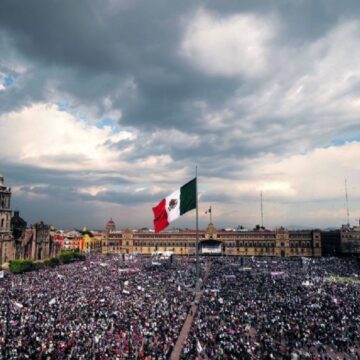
108	307
101	308
278	309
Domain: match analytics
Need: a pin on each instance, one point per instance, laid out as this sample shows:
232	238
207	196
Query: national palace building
258	242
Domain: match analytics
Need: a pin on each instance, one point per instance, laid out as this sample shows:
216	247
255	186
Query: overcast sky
107	106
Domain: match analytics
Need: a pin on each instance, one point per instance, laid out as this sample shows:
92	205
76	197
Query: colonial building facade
37	242
343	241
17	241
43	245
92	243
7	250
18	225
280	242
350	240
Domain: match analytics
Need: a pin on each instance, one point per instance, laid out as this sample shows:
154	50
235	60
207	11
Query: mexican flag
175	205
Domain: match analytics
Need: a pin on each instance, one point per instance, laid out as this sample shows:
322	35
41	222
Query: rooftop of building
212	229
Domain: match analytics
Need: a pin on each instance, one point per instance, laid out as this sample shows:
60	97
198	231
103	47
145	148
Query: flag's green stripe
188	196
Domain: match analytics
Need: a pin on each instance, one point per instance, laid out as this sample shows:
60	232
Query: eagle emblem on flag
172	204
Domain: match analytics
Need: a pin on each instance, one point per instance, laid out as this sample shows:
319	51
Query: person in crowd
107	307
95	309
278	309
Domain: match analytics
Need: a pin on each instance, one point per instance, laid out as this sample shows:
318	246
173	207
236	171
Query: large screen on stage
205	249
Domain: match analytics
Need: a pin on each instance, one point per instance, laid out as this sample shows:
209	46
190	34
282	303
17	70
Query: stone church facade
17	241
7	249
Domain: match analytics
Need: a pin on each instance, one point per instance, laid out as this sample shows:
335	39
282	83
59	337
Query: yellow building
97	241
280	242
91	243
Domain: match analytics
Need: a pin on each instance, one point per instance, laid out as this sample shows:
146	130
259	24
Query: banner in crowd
277	273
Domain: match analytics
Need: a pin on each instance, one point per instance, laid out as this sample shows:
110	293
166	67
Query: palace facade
262	242
343	241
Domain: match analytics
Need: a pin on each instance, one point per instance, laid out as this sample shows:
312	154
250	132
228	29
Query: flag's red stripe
160	216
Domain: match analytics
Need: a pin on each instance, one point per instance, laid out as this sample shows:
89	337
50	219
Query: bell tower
6	240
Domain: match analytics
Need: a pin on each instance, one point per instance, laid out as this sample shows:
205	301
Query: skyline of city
208	214
188	220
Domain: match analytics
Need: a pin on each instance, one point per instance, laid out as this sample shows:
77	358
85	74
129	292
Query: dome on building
110	225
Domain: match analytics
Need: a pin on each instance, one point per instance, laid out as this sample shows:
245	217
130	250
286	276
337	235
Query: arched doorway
282	253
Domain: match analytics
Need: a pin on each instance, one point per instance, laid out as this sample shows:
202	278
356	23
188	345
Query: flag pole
197	236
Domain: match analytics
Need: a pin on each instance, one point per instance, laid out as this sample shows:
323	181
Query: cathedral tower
6	239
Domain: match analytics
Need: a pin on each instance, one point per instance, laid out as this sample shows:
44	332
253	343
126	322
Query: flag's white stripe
173	212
